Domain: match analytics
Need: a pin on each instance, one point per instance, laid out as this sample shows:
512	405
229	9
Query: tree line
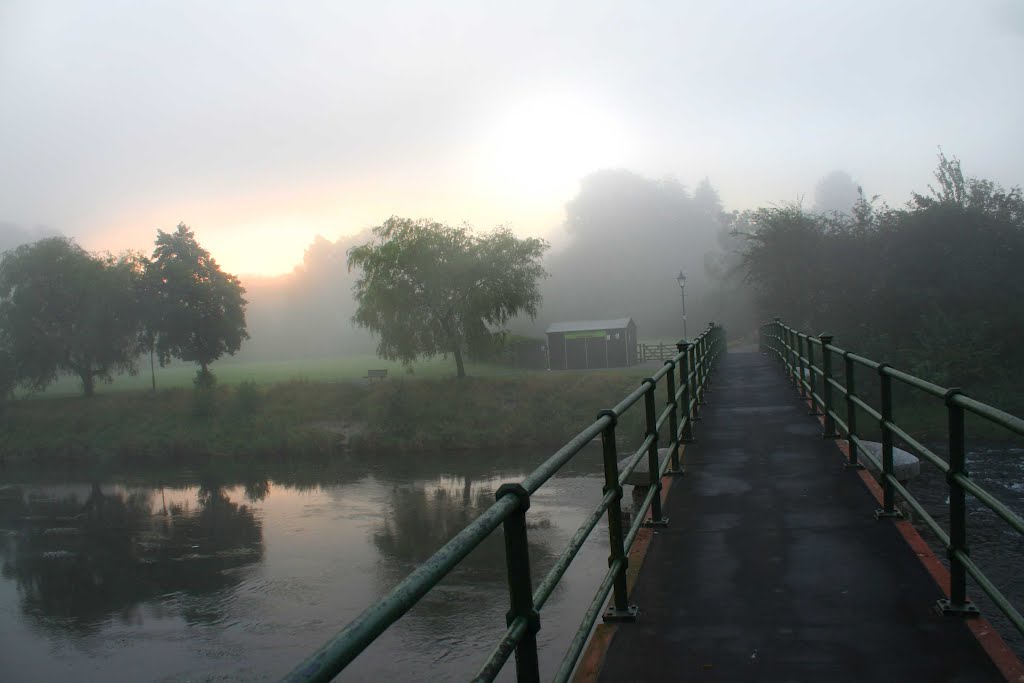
64	310
934	285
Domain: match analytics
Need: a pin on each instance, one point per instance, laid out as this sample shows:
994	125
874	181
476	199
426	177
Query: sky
263	124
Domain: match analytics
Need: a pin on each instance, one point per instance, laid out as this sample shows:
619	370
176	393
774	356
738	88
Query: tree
65	310
967	192
199	309
427	288
628	237
837	192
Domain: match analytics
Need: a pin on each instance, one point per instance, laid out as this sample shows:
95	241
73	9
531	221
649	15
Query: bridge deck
773	567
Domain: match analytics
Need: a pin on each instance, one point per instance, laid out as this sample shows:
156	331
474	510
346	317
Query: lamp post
681	279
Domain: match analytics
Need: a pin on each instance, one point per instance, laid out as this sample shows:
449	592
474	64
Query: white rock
905	466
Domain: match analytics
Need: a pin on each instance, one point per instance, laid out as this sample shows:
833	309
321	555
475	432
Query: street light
681	279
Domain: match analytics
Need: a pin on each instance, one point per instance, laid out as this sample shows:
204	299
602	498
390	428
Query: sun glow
542	146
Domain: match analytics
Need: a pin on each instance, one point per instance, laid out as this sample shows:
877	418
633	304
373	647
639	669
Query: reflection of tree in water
78	562
420	519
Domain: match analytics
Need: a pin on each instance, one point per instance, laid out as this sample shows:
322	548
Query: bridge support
520	591
829	431
958	604
888	509
852	463
653	466
620	609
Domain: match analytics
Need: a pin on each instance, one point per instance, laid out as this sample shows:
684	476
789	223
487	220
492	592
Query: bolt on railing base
950	610
681	472
852	466
656	522
882	514
621	615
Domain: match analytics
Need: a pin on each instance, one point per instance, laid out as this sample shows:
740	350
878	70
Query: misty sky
263	124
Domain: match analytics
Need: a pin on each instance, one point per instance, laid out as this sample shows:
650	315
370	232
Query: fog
629	137
626	239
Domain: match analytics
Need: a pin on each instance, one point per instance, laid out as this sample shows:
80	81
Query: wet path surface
773	567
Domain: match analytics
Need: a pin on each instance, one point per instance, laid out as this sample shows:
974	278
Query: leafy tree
427	288
199	310
932	286
7	376
977	194
65	310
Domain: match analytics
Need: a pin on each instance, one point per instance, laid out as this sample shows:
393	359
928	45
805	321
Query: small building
591	344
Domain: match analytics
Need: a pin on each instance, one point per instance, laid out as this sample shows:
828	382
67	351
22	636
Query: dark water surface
239	572
995	546
212	577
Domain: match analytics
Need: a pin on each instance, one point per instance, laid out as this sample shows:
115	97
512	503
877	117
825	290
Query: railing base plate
675	473
656	522
852	466
949	609
620	615
882	514
833	435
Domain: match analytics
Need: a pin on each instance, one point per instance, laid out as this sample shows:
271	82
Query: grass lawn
315	406
230	371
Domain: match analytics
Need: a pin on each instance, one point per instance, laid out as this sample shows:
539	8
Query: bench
378	375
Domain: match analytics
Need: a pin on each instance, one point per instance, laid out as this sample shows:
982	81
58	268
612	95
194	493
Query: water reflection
80	558
239	571
423	516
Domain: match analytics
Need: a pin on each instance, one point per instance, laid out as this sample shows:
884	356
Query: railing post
851	414
957	603
701	369
684	383
777	331
673	419
829	431
789	355
651	414
620	610
888	495
520	590
811	378
800	365
709	354
695	370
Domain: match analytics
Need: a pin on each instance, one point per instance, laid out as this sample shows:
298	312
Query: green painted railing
692	363
818	384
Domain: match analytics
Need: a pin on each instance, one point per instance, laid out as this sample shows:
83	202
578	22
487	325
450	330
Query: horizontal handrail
789	346
693	362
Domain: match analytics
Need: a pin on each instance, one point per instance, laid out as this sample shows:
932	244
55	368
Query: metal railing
818	384
692	365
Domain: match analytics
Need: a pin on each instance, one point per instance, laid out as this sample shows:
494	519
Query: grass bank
299	417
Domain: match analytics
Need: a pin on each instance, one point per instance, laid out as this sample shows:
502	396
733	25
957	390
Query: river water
238	573
203	576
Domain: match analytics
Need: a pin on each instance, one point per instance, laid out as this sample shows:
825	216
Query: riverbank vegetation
541	409
932	288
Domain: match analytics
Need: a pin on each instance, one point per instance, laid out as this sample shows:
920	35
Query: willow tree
427	288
